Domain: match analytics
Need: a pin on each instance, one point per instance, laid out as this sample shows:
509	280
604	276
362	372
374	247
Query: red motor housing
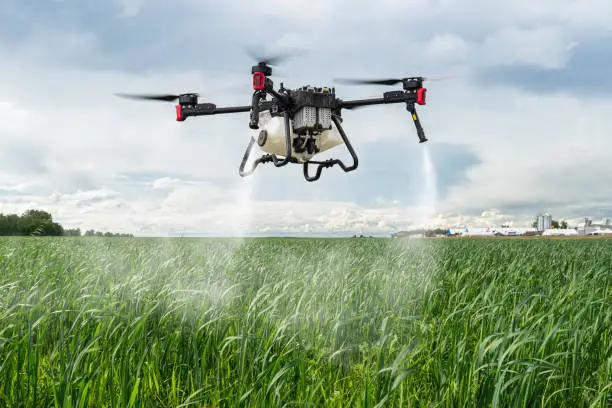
259	81
179	113
421	95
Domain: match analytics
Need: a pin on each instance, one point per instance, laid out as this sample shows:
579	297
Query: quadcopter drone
297	124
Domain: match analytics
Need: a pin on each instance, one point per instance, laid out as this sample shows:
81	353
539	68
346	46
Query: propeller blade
386	81
390	81
273	58
163	97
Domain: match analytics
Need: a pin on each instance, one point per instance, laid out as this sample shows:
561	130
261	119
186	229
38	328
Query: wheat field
120	322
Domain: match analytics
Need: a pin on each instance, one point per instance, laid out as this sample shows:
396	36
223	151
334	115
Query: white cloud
19	188
446	48
543	47
192	199
548	47
165	183
14	117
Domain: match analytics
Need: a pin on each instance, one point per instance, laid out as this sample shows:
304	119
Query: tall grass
297	322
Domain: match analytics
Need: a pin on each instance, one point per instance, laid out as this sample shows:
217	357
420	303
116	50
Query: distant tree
40	223
76	232
37	222
9	224
420	231
93	233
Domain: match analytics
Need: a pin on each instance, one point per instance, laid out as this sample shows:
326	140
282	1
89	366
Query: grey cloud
149	177
17	190
23	158
181	35
585	75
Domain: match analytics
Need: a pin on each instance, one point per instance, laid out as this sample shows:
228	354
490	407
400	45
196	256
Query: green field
95	322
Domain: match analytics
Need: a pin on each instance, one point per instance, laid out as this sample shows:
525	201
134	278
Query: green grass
119	322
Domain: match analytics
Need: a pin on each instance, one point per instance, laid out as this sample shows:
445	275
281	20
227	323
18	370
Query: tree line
421	231
40	223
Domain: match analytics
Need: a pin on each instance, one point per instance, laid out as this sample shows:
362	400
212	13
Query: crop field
120	322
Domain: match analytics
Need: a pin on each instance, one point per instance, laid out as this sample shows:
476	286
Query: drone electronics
297	124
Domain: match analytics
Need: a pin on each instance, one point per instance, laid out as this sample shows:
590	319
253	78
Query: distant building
559	232
490	231
544	222
588	227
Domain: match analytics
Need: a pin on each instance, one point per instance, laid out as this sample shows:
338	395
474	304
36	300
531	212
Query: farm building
589	227
491	231
544	222
559	232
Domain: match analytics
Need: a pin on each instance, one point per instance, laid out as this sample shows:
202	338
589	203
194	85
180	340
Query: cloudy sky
523	126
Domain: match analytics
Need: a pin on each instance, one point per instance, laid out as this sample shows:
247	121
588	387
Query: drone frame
282	102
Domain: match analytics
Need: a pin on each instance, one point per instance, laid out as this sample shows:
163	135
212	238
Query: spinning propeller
163	98
263	60
387	81
274	58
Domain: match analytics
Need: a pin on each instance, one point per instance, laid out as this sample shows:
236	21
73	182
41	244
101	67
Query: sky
522	126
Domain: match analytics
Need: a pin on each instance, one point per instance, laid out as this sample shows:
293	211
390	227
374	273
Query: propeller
386	81
163	97
273	58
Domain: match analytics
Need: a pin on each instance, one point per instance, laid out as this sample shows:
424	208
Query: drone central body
311	126
294	125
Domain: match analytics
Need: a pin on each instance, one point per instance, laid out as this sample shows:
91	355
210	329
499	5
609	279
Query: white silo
544	222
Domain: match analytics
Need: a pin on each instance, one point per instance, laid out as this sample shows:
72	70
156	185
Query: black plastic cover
316	99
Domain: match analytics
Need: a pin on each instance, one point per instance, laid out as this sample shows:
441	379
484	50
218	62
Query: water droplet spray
429	195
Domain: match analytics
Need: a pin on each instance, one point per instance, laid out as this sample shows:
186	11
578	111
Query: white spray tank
271	137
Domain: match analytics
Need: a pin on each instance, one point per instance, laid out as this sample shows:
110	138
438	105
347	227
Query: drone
295	125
